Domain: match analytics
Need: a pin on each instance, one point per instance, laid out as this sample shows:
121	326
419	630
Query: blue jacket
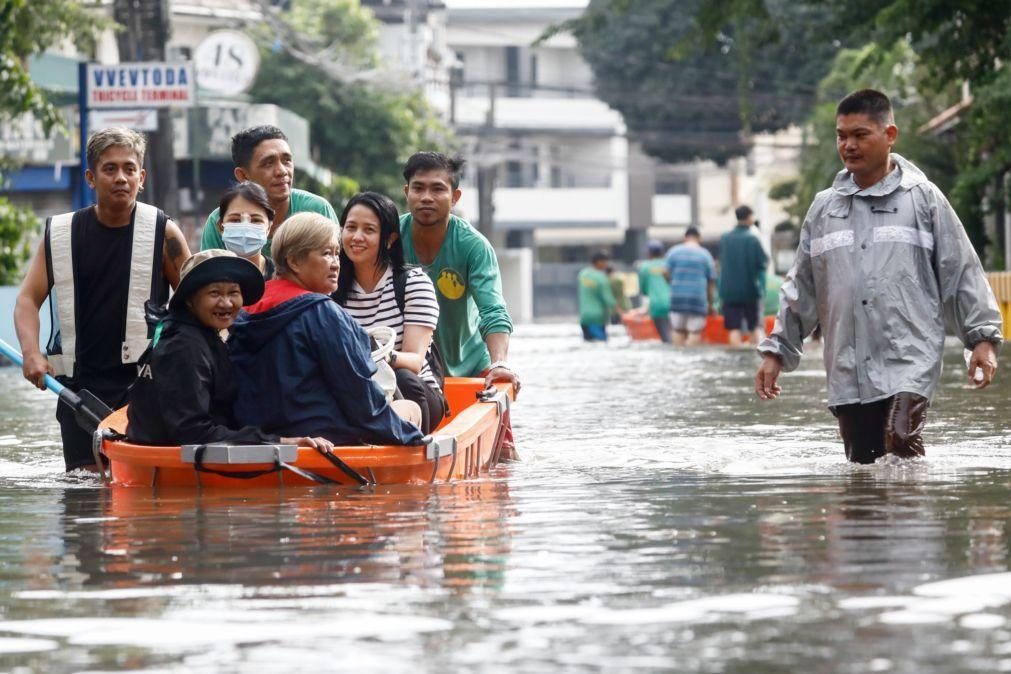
303	368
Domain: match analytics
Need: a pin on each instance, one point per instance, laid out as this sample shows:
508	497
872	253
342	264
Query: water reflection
662	520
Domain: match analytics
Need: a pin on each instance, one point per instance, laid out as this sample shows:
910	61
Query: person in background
654	287
372	267
261	154
883	264
596	299
743	262
304	366
247	216
692	274
99	266
474	323
186	388
621	302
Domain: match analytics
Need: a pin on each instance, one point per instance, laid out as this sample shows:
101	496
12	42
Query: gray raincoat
882	269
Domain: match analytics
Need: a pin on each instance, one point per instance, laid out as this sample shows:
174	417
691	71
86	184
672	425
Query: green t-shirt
742	266
300	202
596	301
655	286
468	287
772	285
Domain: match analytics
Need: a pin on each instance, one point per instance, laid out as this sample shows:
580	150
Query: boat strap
198	465
346	469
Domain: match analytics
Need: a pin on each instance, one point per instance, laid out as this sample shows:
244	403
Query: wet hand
984	357
766	377
503	374
35	368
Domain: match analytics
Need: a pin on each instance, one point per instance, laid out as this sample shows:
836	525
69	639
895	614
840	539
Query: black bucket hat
215	265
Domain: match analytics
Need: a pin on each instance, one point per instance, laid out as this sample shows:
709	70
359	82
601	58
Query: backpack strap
400	289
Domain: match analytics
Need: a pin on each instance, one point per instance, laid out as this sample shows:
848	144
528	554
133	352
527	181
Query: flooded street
662	519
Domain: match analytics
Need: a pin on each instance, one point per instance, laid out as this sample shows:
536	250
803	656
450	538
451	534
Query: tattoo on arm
175	251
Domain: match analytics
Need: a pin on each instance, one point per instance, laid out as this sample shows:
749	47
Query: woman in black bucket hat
185	387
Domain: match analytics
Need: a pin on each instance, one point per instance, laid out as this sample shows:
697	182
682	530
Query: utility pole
147	25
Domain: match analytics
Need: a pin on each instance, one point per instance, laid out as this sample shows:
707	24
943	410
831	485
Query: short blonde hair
116	136
299	235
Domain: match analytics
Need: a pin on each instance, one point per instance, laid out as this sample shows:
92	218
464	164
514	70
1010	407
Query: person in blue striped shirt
692	274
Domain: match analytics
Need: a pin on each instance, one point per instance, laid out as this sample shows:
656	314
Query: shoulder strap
142	261
62	297
400	288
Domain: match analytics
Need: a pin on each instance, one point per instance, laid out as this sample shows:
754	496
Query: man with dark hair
596	298
883	264
742	278
99	266
692	274
474	325
262	155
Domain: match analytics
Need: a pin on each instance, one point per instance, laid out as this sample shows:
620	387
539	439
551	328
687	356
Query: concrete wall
516	266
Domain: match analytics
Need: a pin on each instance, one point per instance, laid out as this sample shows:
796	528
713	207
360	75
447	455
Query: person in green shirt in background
622	303
474	325
743	262
262	155
653	285
596	299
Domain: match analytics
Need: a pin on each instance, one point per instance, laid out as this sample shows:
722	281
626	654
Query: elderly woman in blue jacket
304	366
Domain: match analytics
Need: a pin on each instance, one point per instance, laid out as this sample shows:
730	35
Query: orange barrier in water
470	444
1000	282
641	328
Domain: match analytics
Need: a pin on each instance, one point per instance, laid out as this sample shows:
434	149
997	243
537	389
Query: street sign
140	85
138	120
226	62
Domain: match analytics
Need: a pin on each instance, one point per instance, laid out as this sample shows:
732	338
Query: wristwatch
393	358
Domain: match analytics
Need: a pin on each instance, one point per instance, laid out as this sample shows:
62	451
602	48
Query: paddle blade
89	410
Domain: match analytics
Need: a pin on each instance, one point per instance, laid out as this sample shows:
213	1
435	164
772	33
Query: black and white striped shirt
379	307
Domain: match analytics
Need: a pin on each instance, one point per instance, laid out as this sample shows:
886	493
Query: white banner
140	85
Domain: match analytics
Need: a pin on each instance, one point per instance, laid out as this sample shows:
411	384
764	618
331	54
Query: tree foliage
28	27
15	226
323	64
710	72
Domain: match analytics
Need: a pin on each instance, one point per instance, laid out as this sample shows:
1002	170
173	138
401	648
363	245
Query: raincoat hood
282	303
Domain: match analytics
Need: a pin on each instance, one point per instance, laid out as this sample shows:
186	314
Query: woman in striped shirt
372	265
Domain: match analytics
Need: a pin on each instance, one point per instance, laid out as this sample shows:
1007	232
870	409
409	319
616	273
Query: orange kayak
641	328
467	444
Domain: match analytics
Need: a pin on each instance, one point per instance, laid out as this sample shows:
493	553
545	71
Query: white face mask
243	237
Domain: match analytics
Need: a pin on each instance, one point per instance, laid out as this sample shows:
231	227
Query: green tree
28	28
323	64
711	72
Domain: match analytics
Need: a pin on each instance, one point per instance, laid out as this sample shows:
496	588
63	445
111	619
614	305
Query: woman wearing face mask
372	266
185	389
245	217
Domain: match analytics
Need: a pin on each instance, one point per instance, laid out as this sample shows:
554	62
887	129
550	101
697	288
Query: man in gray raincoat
883	263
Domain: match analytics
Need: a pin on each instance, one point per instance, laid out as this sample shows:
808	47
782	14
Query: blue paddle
89	411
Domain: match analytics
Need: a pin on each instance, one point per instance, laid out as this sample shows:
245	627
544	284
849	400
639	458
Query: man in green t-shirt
262	155
654	286
596	299
474	324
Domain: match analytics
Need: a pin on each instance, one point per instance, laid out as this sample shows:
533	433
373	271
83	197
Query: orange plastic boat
641	328
467	444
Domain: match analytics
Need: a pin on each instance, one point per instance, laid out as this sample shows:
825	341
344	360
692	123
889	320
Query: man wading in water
883	261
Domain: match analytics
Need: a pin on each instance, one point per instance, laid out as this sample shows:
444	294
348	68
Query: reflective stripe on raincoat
882	270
